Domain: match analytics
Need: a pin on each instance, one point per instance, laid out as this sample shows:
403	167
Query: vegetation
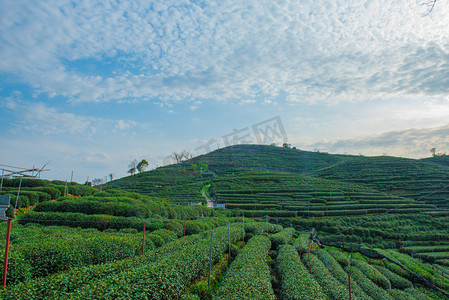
296	282
249	275
382	220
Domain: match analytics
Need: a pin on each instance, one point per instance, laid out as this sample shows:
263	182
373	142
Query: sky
89	86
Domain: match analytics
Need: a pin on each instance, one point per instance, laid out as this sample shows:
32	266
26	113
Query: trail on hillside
205	194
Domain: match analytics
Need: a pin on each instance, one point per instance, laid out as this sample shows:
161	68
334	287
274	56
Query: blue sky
90	86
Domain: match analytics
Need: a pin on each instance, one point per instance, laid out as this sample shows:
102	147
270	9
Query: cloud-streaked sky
91	85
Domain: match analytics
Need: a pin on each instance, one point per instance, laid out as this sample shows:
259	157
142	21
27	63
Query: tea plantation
381	227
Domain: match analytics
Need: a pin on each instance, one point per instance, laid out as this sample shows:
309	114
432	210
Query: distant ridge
393	176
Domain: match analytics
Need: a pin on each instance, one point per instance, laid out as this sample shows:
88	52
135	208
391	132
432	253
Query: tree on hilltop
182	156
142	165
132	167
432	150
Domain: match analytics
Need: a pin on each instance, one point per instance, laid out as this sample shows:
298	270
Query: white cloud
122	125
247	101
227	50
40	118
413	143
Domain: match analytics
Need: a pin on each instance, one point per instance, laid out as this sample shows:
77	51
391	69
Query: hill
369	212
286	194
416	179
439	159
223	162
242	158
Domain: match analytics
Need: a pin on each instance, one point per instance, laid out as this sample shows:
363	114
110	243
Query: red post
143	239
185	220
218	220
308	254
442	278
299	245
349	284
375	278
5	267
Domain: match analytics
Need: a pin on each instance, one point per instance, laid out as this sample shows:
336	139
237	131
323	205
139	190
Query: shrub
249	275
90	206
370	272
43	196
190	297
167	236
367	285
331	286
396	281
296	282
33	197
337	271
340	257
257	228
19	269
282	237
400	295
159	274
52	191
80	189
165	278
100	222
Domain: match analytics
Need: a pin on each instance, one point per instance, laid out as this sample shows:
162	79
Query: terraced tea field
284	193
383	221
419	180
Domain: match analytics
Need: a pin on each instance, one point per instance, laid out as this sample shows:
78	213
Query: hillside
242	158
416	179
366	211
223	162
285	194
439	159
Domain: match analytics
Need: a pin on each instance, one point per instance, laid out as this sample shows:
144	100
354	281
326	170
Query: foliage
331	286
282	237
296	282
40	251
397	282
165	278
60	285
142	165
367	285
249	275
52	191
400	295
372	273
258	228
339	273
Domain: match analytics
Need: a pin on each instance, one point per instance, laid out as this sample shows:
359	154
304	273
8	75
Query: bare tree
97	181
186	154
182	156
430	4
433	150
111	176
177	157
132	167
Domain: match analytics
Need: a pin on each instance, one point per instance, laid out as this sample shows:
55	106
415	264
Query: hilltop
391	176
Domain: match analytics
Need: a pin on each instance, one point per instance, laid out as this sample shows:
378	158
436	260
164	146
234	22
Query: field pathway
205	194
